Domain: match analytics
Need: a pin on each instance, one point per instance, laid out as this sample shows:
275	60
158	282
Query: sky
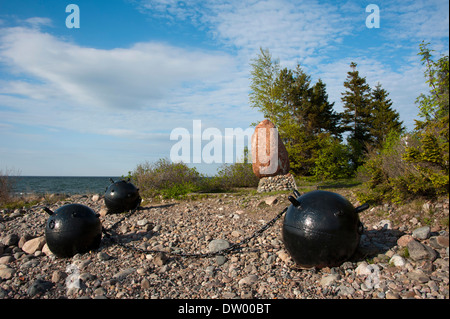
97	88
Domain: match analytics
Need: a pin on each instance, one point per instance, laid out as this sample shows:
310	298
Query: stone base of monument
277	183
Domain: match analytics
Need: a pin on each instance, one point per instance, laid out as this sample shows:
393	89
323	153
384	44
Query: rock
419	276
421	233
269	155
237	233
124	273
24	239
283	255
31	246
95	197
397	261
220	260
58	276
103	211
346	290
6	259
249	280
6	272
160	259
103	256
392	295
145	283
46	250
362	269
218	244
271	200
11	240
418	251
404	240
329	280
142	222
384	224
39	286
439	242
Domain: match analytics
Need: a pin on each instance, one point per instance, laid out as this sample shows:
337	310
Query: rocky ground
403	254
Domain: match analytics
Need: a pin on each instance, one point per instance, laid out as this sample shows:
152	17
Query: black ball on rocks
72	229
121	196
321	229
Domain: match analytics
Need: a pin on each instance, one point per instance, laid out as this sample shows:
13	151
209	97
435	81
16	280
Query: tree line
310	128
368	137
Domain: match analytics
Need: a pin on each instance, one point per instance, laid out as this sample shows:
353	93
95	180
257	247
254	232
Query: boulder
31	246
269	155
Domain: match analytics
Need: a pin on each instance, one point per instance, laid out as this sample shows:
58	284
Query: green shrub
236	175
416	164
165	179
332	161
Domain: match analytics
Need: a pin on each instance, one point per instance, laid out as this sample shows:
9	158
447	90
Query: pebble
421	233
392	262
418	251
328	280
397	261
249	280
218	244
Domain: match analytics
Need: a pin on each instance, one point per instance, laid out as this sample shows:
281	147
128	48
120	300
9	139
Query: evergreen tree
357	115
323	118
300	111
385	119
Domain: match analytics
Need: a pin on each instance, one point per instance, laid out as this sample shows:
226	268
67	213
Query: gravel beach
399	257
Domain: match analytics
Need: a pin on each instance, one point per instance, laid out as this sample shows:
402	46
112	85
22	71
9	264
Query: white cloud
416	19
133	77
291	30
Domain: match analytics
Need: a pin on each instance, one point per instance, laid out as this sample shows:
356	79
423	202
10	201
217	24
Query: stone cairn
270	161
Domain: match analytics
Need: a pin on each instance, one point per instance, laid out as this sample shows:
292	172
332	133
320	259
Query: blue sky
99	99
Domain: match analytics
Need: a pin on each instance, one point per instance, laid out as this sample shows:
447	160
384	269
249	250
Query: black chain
224	251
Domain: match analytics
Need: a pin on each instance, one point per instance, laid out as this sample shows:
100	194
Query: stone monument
270	160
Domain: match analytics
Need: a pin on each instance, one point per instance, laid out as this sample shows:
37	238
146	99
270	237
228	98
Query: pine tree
384	119
323	118
357	115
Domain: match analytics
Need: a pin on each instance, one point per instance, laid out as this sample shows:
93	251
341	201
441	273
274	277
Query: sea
70	185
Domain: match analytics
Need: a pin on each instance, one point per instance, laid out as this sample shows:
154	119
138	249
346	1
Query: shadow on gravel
375	242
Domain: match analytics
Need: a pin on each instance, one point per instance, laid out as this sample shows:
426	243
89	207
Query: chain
225	251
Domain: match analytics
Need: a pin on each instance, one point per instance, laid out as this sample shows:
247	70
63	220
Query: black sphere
72	229
122	196
321	229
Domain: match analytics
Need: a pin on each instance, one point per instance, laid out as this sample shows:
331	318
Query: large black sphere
121	196
321	229
72	229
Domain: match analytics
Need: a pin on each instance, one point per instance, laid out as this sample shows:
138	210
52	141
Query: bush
405	167
236	175
416	164
165	179
332	161
6	187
